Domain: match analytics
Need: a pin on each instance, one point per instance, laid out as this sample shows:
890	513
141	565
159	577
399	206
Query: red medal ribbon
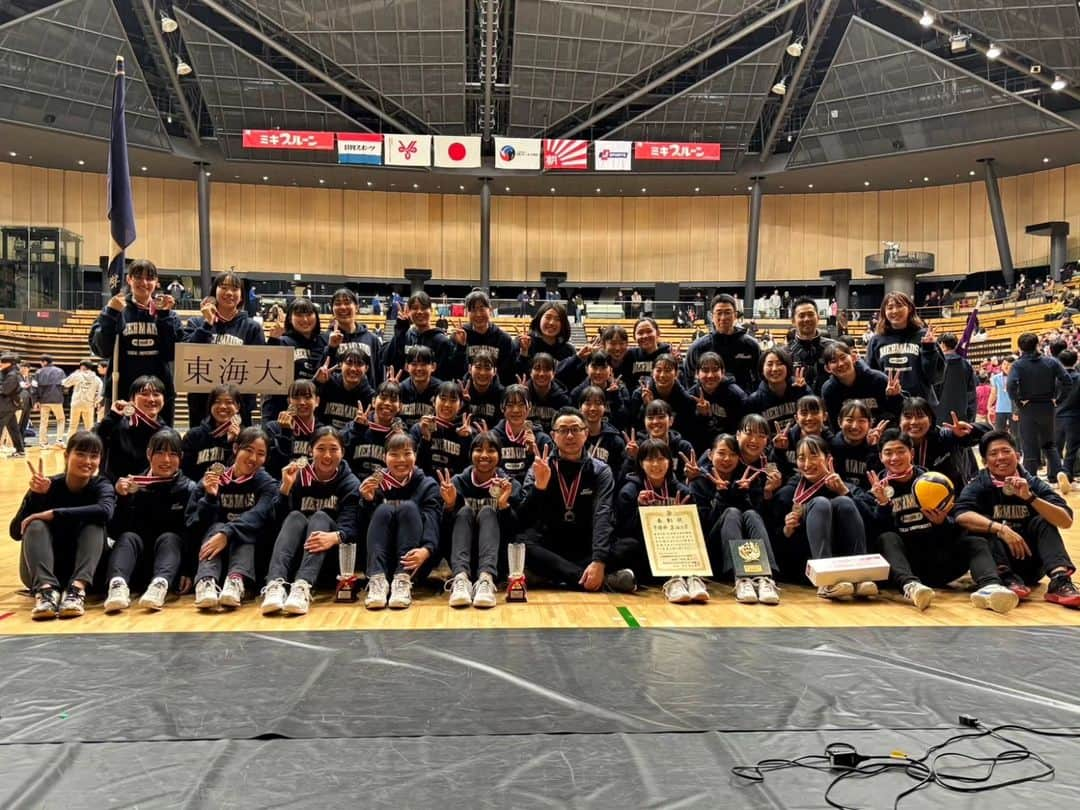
300	428
519	438
379	428
485	485
140	418
230	477
308	476
898	476
569	493
221	429
755	470
390	482
445	424
804	493
150	480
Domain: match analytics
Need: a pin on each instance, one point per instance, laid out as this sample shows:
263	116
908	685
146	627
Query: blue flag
121	210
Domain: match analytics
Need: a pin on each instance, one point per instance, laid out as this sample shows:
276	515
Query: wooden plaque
253	369
674	541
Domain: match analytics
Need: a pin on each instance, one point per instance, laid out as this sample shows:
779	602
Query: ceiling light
265	178
927	19
1035	70
370	184
809	185
598	191
13	154
971	173
416	185
168	24
780	87
508	188
82	162
208	174
866	182
795	48
321	181
182	67
1046	160
143	168
697	188
461	187
1058	83
168	118
643	189
994	51
926	179
958	42
790	138
553	189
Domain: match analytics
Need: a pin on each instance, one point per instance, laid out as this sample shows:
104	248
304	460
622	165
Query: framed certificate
674	541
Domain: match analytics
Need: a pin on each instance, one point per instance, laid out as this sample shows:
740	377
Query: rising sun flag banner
121	209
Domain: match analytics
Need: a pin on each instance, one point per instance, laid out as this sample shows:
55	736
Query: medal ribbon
308	476
520	437
445	424
755	470
379	428
150	480
300	428
221	429
140	418
485	485
890	477
804	493
230	477
151	307
390	482
569	493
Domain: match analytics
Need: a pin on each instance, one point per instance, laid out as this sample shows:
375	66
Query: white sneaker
119	597
207	594
676	591
744	591
153	597
232	592
400	592
838	590
866	589
299	598
697	589
273	597
377	591
918	594
997	598
484	592
767	592
1063	482
460	590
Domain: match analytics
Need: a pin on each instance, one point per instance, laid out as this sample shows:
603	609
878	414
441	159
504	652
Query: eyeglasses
568	431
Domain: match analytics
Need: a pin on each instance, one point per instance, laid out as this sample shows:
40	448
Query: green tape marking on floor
628	617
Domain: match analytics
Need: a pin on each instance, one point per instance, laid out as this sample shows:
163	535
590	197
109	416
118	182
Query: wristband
1032	499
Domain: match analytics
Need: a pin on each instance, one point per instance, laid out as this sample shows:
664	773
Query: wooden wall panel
1072	208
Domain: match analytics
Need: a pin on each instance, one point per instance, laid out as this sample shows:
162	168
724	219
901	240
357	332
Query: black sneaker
74	604
1062	591
621	581
1015	584
47	605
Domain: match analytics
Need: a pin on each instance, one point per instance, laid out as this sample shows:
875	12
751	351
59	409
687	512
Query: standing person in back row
736	348
47	388
958	383
9	401
999	407
903	342
1031	384
808	345
85	397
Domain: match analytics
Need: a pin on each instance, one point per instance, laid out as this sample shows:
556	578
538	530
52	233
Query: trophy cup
515	585
346	586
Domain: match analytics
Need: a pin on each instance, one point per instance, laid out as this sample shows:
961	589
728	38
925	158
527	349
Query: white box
857	568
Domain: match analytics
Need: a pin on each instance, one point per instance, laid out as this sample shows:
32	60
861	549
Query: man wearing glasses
568	503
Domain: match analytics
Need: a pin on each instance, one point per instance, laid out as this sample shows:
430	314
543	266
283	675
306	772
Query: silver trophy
346	586
515	585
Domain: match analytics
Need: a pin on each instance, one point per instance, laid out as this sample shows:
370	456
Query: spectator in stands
177	290
147	329
1067	417
87	393
47	389
376	304
1032	384
958	384
9	401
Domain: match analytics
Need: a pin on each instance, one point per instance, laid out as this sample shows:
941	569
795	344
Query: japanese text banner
287	139
668	150
253	369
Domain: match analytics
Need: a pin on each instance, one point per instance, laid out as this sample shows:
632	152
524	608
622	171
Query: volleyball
933	490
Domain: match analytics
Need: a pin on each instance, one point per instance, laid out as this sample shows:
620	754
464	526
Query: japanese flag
456	152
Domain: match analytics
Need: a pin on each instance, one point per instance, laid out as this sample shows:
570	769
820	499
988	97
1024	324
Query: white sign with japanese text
198	367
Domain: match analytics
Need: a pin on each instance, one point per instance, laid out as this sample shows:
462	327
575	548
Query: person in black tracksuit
925	547
739	351
148	334
662	385
404	511
9	401
481	332
958	383
944	448
568	502
292	430
850	378
442	439
777	397
223	322
229	514
418	390
724	402
810	420
211	442
548	333
617	410
413	328
1032	384
808	346
614	342
150	529
904	343
641	358
1067	416
605	442
365	437
125	437
317	508
303	335
853	455
546	395
61	525
520	442
480	506
343	394
659	419
482	392
1023	518
347	335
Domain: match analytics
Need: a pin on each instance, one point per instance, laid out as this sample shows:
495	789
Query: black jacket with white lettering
365	448
339	498
125	445
515	458
983	498
147	344
414	403
869	386
201	449
738	350
922	365
362	340
494	338
154	510
407	338
338	404
285	446
244	511
424	492
445	450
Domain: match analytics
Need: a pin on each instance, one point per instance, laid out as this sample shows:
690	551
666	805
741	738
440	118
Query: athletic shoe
74	603
483	595
866	589
698	591
744	591
1063	482
1015	584
400	592
918	594
299	598
207	594
46	605
377	591
60	443
995	597
676	591
273	597
1062	591
838	590
153	597
23	455
232	592
460	590
621	581
767	592
119	597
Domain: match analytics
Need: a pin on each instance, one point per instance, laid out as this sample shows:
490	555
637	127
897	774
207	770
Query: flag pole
121	210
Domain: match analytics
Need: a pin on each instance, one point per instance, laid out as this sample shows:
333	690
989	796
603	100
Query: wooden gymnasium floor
799	607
